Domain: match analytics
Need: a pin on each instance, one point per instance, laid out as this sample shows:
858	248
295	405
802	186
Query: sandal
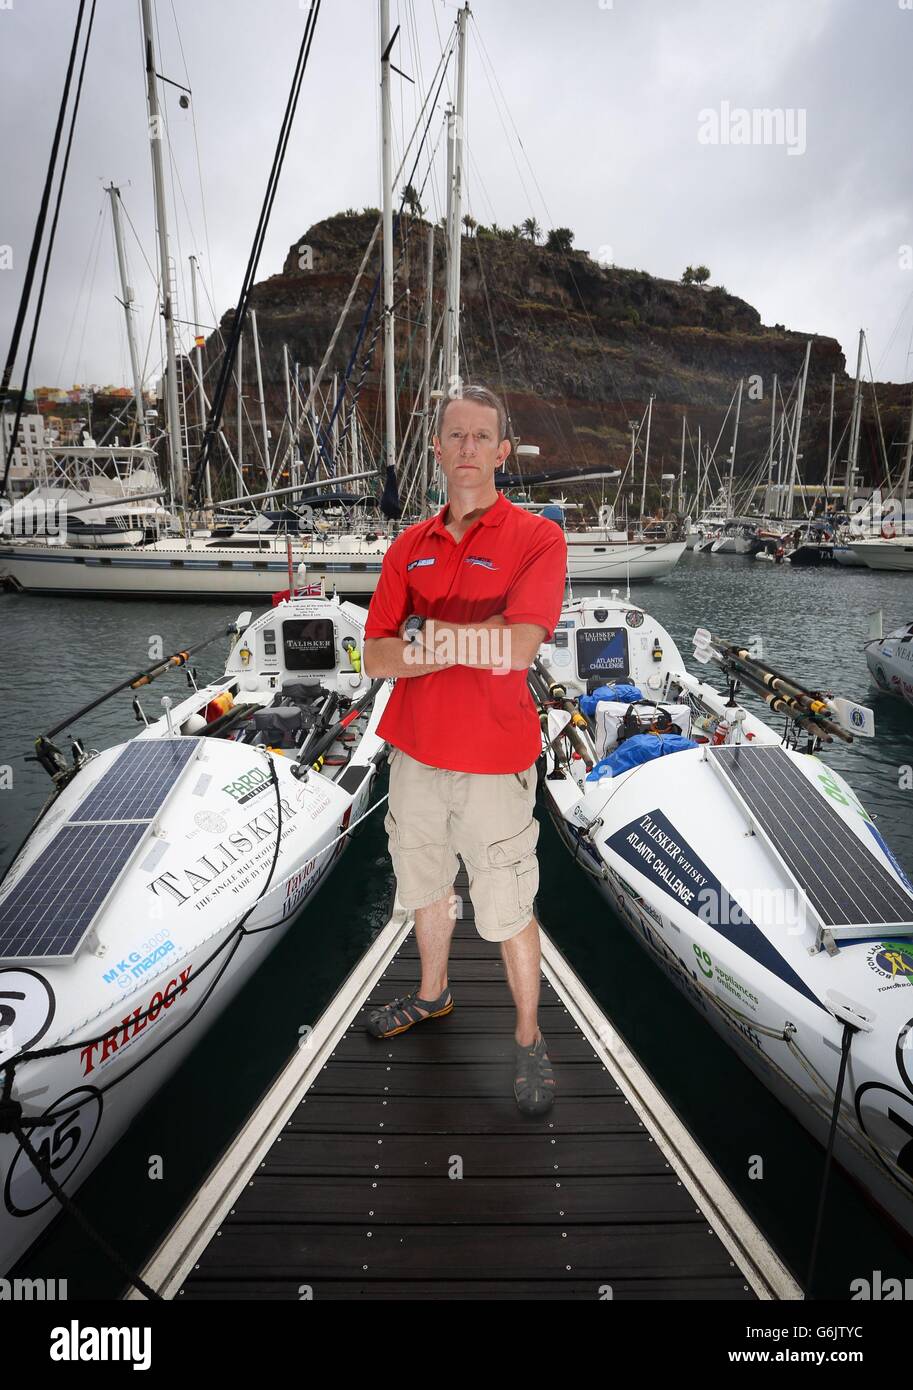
534	1083
405	1011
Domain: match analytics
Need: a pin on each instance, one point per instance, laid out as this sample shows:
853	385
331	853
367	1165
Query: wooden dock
402	1169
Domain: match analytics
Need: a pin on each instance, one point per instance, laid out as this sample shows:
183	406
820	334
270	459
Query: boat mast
798	430
426	392
127	301
830	440
288	405
156	133
643	490
854	428
198	353
455	125
239	377
387	182
905	480
779	507
681	470
266	460
768	499
735	439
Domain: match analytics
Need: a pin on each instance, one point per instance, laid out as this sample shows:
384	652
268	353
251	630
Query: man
463	602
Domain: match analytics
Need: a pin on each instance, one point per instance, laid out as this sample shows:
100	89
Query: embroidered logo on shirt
429	560
481	560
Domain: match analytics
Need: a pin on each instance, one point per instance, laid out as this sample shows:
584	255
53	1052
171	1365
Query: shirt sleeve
537	592
389	607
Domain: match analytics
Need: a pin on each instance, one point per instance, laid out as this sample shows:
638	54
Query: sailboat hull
594	563
179	573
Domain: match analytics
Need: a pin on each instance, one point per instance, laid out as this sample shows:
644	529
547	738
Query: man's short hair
482	396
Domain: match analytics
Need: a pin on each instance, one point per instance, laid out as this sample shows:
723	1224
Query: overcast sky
812	223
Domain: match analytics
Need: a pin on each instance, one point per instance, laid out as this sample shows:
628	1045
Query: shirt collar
492	517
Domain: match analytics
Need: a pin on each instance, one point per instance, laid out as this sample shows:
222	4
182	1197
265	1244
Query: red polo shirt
510	563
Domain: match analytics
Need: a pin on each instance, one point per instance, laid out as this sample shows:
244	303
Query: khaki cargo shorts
487	818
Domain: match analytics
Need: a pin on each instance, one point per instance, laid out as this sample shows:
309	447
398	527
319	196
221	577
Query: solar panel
843	881
138	781
47	913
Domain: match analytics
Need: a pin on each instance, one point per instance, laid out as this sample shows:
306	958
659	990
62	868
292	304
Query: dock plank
407	1169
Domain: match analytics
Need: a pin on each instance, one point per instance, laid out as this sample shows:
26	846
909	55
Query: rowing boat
746	867
160	875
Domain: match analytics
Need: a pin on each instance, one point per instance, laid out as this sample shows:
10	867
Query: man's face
468	449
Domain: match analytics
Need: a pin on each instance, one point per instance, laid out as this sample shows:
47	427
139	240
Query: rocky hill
576	347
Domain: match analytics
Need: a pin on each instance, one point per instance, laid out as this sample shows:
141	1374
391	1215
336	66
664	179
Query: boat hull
159	879
890	661
886	555
683	961
776	931
178	573
594	563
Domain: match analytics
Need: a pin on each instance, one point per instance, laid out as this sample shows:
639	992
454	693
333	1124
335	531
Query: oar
141	678
322	737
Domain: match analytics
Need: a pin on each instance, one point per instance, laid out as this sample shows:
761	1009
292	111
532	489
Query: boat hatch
47	913
848	889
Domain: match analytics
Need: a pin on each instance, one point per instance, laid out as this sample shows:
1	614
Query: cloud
606	100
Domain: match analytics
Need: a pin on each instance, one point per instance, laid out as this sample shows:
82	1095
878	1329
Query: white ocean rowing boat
159	878
748	869
890	658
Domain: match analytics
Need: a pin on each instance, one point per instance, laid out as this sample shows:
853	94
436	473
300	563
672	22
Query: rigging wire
96	234
42	212
221	390
51	236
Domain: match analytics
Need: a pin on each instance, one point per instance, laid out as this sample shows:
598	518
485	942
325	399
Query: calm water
62	652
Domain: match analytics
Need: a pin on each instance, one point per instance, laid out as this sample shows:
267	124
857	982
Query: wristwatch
413	626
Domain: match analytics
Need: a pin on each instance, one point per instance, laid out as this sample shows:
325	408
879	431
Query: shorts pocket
515	848
513	877
407	834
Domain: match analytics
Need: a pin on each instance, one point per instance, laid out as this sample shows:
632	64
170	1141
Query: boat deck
402	1169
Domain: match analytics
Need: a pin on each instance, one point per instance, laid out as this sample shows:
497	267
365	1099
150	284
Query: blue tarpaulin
640	748
625	694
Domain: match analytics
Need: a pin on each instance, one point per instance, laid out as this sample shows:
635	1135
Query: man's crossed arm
490	644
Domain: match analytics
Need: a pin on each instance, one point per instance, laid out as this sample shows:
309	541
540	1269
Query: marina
626	988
